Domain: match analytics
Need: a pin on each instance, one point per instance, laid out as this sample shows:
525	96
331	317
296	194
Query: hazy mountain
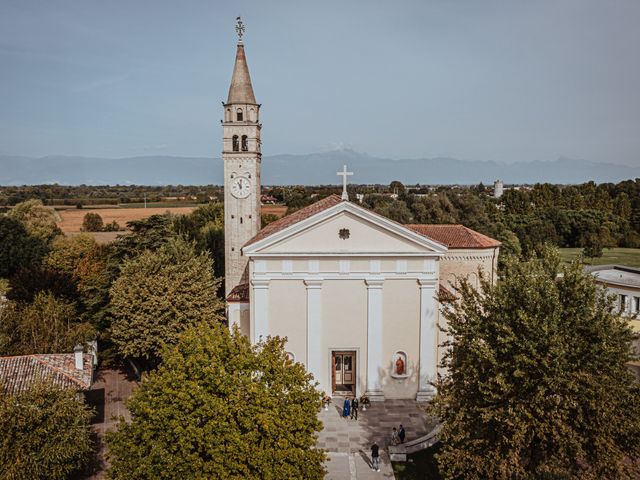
312	169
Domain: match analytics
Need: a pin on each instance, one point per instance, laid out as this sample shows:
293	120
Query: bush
92	222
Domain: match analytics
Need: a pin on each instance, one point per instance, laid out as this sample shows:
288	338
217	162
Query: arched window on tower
239	115
228	115
245	143
236	146
252	115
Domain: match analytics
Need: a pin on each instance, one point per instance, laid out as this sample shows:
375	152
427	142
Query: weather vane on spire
240	29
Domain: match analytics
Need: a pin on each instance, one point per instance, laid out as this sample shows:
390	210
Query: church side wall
401	332
465	263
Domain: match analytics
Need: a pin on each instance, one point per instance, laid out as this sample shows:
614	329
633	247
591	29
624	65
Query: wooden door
343	372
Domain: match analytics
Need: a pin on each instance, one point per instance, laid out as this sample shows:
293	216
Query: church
354	293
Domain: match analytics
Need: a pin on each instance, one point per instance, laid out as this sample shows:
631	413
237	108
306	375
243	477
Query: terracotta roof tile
17	373
455	236
239	294
295	217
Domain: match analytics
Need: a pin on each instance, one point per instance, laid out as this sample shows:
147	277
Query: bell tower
241	158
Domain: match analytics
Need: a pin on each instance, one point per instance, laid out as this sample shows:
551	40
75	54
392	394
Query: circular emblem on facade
344	233
240	187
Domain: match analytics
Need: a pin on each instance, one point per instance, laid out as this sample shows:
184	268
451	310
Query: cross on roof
240	29
344	174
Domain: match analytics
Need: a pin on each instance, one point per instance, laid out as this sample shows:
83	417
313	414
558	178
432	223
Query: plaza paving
349	441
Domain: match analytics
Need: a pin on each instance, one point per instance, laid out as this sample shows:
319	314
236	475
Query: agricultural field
71	218
619	256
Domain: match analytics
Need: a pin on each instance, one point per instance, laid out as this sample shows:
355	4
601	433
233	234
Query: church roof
17	373
241	90
295	217
239	294
455	236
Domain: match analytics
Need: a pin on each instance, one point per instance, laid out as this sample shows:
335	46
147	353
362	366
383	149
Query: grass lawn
620	256
421	465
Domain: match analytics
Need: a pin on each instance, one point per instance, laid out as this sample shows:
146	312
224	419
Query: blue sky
503	80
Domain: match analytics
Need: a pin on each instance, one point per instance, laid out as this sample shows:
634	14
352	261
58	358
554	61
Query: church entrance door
343	373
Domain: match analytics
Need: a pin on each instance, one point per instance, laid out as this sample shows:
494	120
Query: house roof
295	217
17	373
455	236
239	294
616	274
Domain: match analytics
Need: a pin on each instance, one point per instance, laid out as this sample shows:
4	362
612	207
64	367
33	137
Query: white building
356	294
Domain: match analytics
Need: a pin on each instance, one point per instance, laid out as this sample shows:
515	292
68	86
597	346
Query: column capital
428	282
261	283
313	283
374	282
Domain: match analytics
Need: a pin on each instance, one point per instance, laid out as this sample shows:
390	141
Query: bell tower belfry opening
241	158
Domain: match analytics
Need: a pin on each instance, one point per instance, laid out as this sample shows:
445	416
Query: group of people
350	408
397	436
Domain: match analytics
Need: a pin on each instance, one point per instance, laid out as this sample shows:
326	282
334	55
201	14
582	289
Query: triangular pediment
345	229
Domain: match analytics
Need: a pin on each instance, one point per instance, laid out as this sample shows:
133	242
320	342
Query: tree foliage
218	407
47	325
67	253
18	248
158	295
44	433
92	222
39	220
537	380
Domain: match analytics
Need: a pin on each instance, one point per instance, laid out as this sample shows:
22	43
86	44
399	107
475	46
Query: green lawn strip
420	466
618	256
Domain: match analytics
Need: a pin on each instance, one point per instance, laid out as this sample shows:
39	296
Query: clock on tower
241	157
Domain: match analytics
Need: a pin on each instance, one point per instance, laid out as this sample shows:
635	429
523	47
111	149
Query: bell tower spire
241	157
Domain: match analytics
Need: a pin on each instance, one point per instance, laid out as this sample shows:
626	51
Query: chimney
77	352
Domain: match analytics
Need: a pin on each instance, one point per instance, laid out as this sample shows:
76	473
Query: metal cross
240	29
344	174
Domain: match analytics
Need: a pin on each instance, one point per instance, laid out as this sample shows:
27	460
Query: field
71	218
619	256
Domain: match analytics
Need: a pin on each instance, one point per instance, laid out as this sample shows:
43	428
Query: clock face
240	187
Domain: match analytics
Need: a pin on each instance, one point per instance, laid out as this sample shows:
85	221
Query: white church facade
354	293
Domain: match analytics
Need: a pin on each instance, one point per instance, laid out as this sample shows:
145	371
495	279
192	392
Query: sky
503	80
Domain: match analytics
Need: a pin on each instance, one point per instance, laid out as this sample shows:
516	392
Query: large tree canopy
538	382
45	433
18	248
218	407
158	295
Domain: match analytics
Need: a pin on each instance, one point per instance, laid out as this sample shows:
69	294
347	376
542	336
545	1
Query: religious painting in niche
344	233
400	364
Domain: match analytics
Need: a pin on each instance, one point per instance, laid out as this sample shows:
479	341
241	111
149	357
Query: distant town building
498	189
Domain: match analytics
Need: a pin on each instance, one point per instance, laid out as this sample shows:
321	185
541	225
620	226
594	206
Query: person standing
354	408
375	457
346	408
394	436
401	434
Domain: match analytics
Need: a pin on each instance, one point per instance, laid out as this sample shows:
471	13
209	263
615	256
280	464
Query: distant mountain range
311	169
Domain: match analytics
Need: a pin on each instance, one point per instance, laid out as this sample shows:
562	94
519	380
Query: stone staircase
398	453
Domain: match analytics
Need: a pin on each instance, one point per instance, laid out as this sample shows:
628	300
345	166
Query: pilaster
374	339
314	330
260	310
428	339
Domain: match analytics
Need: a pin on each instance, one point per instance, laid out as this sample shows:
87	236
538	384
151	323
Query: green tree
45	433
218	407
47	325
537	380
67	252
160	294
18	248
39	220
92	222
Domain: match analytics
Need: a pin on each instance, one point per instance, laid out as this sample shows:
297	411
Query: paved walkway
349	441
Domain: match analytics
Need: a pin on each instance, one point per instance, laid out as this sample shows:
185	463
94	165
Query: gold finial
239	29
